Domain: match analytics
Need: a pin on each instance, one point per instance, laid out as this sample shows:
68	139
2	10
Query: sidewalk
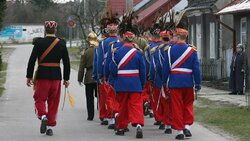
223	96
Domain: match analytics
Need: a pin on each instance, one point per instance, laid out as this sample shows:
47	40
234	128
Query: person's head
239	48
156	34
180	35
148	36
128	37
112	29
50	27
92	39
164	36
105	32
170	35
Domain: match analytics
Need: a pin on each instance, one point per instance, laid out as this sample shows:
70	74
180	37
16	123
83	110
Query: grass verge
3	69
233	120
5	53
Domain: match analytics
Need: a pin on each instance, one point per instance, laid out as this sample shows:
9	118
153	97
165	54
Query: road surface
19	123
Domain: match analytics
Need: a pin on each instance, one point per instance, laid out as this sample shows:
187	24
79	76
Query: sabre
244	90
158	102
98	96
151	92
64	98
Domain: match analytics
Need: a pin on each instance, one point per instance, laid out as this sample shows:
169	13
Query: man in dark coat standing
238	71
49	51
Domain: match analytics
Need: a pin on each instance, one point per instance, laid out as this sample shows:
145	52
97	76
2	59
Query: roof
119	6
141	4
149	13
236	6
201	3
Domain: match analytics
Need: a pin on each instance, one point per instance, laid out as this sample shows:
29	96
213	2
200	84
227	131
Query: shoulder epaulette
166	48
193	47
145	49
111	43
137	47
162	45
114	50
152	51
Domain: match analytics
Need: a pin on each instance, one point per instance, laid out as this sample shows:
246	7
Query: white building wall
21	33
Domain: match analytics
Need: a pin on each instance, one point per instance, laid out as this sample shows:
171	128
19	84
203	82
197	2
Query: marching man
128	71
181	73
48	51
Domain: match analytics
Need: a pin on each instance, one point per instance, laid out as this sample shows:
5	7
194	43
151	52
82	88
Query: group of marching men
156	74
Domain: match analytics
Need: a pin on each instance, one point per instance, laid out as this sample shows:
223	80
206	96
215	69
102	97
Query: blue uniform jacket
148	58
160	58
102	55
95	66
153	72
116	46
192	63
128	83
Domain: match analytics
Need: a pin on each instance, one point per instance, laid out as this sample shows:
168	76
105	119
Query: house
145	9
213	41
120	6
240	9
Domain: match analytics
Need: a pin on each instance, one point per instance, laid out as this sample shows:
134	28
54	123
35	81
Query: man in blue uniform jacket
181	73
129	73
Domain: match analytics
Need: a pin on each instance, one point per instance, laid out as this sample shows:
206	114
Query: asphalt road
19	123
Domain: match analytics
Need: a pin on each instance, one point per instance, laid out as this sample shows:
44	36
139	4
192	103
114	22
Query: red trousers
47	91
157	104
112	104
166	118
146	93
130	109
182	107
103	110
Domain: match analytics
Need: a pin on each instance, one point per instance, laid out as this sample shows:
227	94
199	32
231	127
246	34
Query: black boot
168	131
162	126
126	130
151	115
43	126
157	123
146	108
104	122
119	132
111	126
187	133
233	93
180	137
49	132
139	134
241	93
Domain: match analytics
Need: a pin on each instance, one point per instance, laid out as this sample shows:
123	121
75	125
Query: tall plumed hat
128	23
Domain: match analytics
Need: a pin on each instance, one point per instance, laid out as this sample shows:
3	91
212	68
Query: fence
211	69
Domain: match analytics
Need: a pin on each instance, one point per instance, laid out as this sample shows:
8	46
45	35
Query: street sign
71	23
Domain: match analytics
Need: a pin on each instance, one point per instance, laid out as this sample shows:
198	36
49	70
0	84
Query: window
243	30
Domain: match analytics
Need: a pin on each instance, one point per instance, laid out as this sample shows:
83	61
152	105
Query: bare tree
88	13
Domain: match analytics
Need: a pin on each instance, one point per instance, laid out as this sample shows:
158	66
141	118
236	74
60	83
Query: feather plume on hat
128	23
109	18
